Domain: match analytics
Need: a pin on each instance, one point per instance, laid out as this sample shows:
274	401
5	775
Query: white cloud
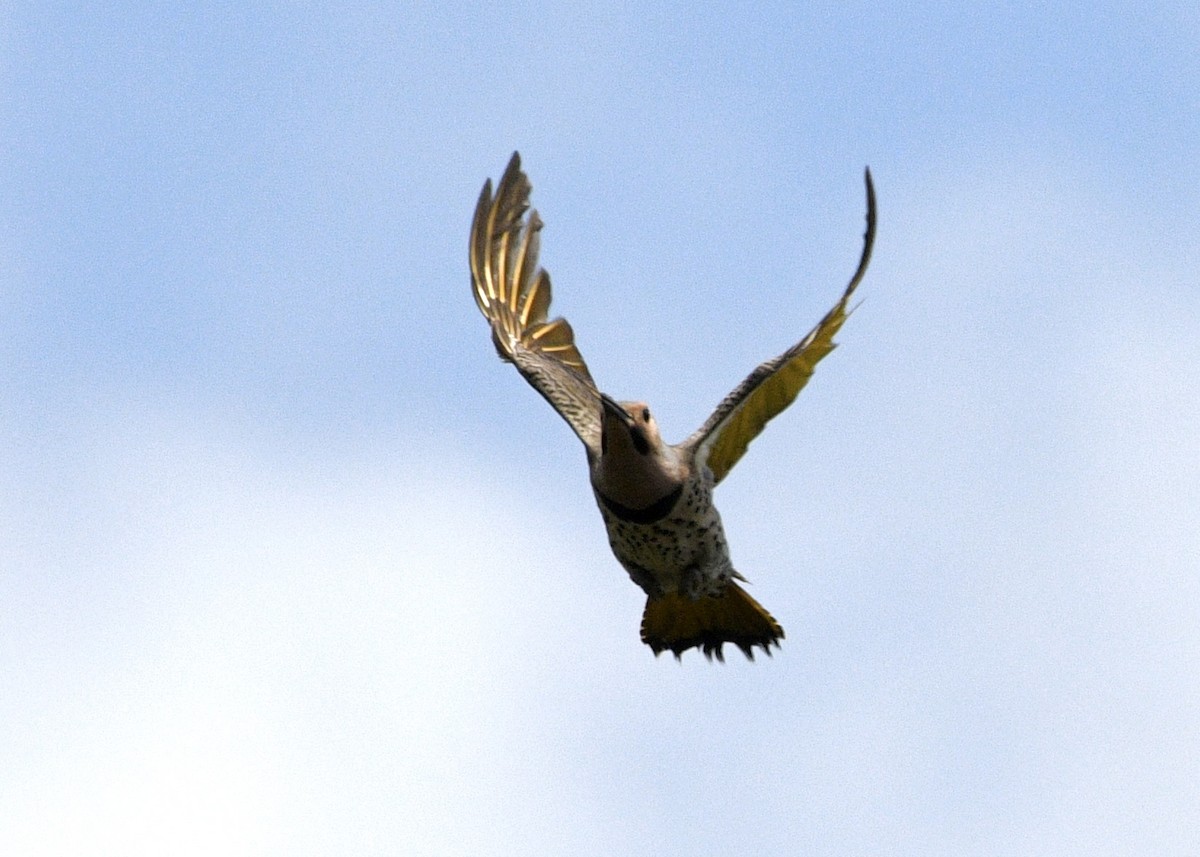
244	655
217	640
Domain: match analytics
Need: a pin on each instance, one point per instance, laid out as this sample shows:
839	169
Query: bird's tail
677	622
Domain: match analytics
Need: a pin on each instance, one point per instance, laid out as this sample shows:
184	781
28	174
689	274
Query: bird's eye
645	415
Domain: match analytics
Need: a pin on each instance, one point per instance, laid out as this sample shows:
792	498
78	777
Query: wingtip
870	183
868	236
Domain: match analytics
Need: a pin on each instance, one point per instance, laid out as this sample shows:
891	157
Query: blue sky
290	563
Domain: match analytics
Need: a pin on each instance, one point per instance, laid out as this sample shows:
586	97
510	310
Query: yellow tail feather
678	623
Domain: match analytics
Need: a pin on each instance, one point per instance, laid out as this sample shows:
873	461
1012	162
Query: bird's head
626	427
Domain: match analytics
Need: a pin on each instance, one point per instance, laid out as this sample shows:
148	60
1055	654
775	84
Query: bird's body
655	498
678	547
669	539
666	532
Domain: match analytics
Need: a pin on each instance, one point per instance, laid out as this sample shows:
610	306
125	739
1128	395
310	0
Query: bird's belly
685	551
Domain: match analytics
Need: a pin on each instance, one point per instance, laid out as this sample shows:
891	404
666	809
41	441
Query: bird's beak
613	409
636	433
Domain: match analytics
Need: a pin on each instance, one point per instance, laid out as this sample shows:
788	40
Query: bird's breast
689	538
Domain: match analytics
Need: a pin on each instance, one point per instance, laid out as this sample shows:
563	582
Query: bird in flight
655	498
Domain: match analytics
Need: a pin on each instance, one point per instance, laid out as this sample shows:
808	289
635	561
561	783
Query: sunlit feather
774	385
513	293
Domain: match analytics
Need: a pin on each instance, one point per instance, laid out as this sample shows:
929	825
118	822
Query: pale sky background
290	563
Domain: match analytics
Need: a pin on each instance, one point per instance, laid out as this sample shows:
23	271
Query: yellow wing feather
774	385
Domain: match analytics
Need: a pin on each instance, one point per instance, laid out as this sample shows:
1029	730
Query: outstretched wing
774	385
513	293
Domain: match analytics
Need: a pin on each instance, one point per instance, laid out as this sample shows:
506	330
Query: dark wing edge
513	294
772	386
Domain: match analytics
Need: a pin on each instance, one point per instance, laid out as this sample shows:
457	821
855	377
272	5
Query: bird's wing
774	385
513	293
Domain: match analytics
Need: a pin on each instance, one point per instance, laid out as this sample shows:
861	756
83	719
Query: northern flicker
655	498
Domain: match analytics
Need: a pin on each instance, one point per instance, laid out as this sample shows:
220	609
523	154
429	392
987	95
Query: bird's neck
636	481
